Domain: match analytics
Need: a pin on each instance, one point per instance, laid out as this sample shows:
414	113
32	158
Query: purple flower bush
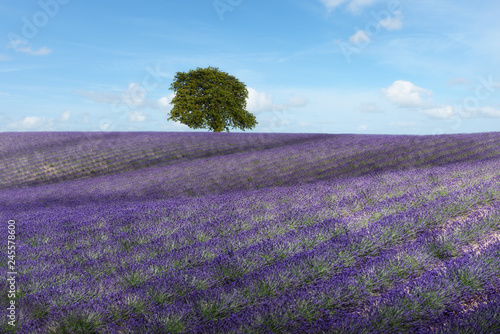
252	233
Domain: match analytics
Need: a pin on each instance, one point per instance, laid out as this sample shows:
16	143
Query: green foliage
443	247
209	98
173	323
77	323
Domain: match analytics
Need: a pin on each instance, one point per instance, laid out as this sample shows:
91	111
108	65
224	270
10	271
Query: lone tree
209	98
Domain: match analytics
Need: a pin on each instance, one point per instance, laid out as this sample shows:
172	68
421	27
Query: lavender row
424	303
418	305
78	155
178	180
204	270
436	249
484	319
191	228
416	259
238	260
345	154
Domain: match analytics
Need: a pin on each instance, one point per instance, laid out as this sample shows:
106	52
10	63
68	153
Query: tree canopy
210	98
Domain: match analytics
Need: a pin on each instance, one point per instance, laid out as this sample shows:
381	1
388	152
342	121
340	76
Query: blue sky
315	66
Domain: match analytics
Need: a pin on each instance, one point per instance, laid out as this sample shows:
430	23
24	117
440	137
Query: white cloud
262	101
31	123
4	57
36	123
405	94
357	5
164	102
106	125
134	96
489	112
439	112
179	124
136	116
392	22
65	116
259	101
23	47
363	127
360	37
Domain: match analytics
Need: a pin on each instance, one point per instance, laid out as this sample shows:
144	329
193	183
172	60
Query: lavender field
252	233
